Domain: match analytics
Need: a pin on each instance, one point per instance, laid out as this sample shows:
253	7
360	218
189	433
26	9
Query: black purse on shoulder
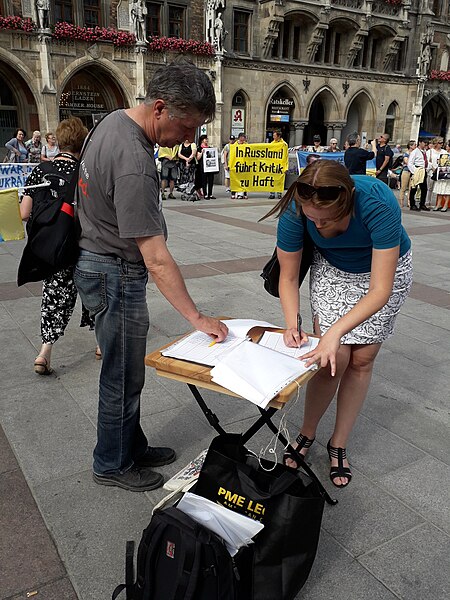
271	270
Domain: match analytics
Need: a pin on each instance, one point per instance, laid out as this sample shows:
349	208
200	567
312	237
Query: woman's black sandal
303	442
340	471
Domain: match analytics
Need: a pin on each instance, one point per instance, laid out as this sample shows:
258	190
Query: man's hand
213	327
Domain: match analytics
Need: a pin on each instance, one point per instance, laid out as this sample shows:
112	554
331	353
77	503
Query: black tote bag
271	270
286	501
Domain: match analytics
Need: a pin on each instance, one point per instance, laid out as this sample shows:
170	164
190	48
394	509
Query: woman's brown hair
71	134
319	173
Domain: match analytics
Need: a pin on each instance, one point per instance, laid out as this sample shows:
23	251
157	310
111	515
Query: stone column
49	117
417	110
299	130
140	50
338	127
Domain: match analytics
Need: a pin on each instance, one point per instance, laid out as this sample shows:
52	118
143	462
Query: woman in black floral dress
59	293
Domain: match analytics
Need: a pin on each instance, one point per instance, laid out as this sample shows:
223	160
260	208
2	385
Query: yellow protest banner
11	226
258	167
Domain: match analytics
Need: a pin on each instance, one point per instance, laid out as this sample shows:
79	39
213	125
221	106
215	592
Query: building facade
309	67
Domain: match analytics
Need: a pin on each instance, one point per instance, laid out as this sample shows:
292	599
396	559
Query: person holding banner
278	138
360	276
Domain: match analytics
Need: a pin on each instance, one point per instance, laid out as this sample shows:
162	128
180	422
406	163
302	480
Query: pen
212	343
299	325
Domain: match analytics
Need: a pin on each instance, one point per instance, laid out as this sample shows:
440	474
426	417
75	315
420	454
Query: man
355	157
384	156
225	161
122	239
277	139
242	139
333	147
316	145
418	165
168	157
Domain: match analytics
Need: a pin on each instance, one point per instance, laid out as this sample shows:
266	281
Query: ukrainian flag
11	226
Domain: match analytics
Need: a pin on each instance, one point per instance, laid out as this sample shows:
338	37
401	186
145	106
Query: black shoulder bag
271	271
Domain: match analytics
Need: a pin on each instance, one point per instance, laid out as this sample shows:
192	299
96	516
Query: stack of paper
187	473
236	530
256	373
274	340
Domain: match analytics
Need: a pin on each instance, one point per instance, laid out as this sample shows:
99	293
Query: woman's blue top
375	223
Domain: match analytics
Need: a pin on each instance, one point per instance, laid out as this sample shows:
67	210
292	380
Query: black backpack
179	559
52	230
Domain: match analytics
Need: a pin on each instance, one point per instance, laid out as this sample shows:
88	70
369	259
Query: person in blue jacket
360	276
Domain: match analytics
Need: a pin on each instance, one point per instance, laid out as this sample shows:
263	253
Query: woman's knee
363	358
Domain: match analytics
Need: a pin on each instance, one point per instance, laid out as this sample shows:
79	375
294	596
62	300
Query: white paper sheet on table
274	340
197	348
256	373
235	529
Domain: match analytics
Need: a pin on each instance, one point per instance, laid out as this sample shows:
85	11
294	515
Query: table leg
212	417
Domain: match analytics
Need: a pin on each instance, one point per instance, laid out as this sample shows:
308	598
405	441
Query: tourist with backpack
59	293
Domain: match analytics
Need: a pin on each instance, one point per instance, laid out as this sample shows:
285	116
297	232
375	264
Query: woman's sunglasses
323	192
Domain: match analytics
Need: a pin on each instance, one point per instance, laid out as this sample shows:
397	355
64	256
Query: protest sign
14	175
339	156
210	160
11	226
258	167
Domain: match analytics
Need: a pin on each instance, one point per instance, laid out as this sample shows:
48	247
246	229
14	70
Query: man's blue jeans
114	291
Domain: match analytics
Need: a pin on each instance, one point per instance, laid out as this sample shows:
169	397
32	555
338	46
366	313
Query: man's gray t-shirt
118	189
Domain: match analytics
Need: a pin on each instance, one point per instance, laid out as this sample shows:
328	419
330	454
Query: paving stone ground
389	537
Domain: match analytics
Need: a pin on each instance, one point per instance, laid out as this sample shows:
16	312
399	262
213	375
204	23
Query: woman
206	179
34	147
405	175
17	148
360	276
186	154
59	293
442	186
51	149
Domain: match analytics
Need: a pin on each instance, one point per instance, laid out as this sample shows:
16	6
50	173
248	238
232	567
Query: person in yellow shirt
277	138
168	157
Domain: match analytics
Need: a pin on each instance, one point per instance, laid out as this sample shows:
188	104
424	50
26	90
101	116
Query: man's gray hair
184	87
352	138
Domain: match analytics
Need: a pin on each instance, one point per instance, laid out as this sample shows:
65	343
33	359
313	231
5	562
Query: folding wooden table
199	376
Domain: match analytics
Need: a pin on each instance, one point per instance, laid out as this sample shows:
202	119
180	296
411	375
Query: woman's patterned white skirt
334	292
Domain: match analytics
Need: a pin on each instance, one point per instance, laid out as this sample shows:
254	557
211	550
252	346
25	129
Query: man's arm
166	274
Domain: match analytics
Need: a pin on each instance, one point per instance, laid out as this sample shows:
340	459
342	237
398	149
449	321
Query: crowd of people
32	150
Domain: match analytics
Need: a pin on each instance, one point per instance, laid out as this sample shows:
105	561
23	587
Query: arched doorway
315	124
434	117
359	117
279	114
90	94
17	105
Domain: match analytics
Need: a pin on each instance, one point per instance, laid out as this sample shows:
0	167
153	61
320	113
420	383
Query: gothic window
436	7
91	13
176	21
153	19
293	36
63	11
241	31
400	58
390	119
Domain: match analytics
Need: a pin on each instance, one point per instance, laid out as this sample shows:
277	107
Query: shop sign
237	121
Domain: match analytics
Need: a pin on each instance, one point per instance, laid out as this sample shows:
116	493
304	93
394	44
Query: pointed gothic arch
360	114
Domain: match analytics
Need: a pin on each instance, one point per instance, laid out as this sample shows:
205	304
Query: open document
257	373
236	530
274	340
199	347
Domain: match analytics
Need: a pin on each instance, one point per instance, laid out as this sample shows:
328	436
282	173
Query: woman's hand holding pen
294	339
325	352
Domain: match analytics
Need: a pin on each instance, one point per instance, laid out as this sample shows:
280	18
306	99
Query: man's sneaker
171	196
156	457
136	479
163	196
271	196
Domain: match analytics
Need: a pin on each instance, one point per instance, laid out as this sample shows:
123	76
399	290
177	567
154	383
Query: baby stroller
186	183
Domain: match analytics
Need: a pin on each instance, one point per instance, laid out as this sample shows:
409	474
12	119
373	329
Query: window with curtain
240	31
91	13
153	18
63	11
176	21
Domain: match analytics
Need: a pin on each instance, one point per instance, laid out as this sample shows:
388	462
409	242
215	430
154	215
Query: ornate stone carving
42	9
272	34
123	15
424	59
380	7
356	46
138	17
356	4
316	40
392	52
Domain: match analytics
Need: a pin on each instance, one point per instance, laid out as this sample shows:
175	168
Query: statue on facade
138	12
219	33
424	60
42	8
211	8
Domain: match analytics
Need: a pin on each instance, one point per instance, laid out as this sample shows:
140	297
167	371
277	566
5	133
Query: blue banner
14	175
339	156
